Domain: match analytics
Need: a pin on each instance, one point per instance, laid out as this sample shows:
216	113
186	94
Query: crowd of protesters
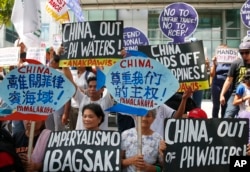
86	111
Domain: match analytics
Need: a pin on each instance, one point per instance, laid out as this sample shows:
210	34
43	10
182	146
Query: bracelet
158	169
242	100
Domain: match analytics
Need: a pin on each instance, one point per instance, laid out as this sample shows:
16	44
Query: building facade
219	21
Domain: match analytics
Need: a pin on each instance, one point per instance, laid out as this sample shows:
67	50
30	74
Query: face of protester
90	120
38	125
147	120
245	54
92	92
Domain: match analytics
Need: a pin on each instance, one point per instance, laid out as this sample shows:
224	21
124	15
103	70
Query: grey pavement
207	106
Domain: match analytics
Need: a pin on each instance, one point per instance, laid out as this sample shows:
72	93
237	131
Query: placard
83	150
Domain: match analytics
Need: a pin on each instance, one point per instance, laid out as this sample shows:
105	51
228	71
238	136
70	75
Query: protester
242	94
93	96
235	75
80	78
55	121
153	147
164	111
218	73
16	124
9	160
197	113
21	140
93	117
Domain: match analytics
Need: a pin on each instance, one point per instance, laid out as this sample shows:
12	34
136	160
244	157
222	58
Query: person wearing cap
235	75
197	113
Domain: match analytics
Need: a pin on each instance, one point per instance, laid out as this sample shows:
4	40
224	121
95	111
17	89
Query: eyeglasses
244	52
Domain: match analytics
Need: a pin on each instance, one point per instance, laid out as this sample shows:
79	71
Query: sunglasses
244	52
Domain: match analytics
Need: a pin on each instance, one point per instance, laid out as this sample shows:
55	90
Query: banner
186	61
83	150
76	8
226	55
26	18
196	145
95	43
58	10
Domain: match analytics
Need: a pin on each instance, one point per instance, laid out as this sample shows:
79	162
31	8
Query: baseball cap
197	113
244	46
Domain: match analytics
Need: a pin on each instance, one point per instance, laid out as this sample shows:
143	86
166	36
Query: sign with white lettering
83	150
244	13
132	37
186	61
95	43
178	20
196	145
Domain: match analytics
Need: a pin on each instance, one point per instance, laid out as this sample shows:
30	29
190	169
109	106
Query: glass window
45	32
95	15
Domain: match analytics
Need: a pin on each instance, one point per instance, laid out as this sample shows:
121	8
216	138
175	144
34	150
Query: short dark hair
97	109
92	78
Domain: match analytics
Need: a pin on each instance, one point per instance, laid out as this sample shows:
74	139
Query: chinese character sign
141	82
36	89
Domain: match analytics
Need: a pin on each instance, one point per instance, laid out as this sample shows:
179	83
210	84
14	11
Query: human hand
187	93
214	59
138	162
162	148
65	120
222	100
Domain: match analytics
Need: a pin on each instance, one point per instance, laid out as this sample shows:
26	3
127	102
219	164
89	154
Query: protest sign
139	83
178	20
226	55
244	13
58	10
95	43
196	145
132	37
186	61
36	89
36	53
83	150
9	56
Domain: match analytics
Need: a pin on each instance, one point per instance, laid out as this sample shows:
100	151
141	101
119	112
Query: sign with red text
95	43
195	145
226	55
36	89
186	61
83	150
139	83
